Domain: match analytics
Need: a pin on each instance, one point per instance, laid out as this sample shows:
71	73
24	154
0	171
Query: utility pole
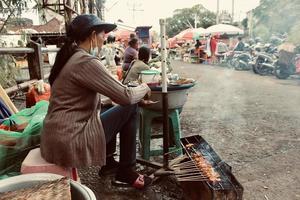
196	20
133	8
232	14
250	23
218	8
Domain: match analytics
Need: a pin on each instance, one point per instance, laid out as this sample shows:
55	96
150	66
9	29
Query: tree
245	23
185	18
294	35
276	16
12	8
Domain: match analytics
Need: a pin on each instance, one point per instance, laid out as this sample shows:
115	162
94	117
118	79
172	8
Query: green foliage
245	23
184	18
8	71
294	35
276	16
262	31
12	8
16	6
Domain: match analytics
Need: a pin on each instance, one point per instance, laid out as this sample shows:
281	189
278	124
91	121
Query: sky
150	11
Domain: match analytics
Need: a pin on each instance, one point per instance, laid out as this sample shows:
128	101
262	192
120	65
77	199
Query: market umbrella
187	34
122	34
190	34
199	32
172	42
224	29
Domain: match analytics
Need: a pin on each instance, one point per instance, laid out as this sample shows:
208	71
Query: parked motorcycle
288	64
231	57
265	61
264	64
242	61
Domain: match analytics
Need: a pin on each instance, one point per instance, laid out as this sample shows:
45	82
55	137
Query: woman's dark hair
132	42
76	33
67	50
144	54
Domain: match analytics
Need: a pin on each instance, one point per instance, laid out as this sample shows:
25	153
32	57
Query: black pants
123	120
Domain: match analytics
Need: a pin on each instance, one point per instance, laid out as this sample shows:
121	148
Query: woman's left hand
144	102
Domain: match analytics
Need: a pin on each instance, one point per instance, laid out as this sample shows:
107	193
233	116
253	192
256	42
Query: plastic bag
15	145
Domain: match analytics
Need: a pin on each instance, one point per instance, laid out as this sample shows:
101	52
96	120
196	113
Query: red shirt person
213	45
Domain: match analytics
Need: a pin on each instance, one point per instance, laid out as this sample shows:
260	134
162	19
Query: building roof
52	26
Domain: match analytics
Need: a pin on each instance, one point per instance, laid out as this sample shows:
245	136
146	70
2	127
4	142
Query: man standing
240	45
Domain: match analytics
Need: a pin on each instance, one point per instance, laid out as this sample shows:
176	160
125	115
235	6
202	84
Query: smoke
228	106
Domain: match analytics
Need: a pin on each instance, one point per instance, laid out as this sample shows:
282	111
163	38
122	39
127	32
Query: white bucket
149	76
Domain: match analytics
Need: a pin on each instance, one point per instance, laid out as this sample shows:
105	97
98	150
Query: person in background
132	35
131	53
197	48
207	47
108	54
213	47
198	44
240	45
74	133
138	65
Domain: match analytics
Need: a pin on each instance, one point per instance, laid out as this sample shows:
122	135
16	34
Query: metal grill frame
228	181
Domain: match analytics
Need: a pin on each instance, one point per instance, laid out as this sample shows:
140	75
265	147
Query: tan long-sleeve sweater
73	135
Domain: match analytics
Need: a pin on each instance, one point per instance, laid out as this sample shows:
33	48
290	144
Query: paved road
253	122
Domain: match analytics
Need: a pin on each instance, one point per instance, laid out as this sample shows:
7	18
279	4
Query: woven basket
55	190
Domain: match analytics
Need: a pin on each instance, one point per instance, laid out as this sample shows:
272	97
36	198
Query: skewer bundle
196	169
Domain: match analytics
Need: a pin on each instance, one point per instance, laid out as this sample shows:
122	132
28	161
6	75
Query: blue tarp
4	112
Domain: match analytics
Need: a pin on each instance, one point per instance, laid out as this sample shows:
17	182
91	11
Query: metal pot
177	96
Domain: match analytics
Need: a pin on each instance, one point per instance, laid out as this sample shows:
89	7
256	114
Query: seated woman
138	65
130	53
74	133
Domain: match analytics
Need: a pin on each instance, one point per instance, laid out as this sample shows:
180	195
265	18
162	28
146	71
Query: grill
211	180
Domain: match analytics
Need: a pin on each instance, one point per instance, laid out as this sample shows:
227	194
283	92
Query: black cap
82	24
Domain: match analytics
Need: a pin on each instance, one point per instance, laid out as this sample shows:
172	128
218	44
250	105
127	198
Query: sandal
131	179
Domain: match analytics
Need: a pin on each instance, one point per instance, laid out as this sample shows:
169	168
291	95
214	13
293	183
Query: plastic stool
145	132
34	163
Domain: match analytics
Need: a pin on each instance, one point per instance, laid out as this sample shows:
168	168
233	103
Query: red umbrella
190	34
185	35
172	42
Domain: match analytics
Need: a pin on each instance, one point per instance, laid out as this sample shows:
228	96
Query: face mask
94	51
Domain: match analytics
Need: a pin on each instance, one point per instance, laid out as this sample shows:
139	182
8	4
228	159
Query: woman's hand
144	102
